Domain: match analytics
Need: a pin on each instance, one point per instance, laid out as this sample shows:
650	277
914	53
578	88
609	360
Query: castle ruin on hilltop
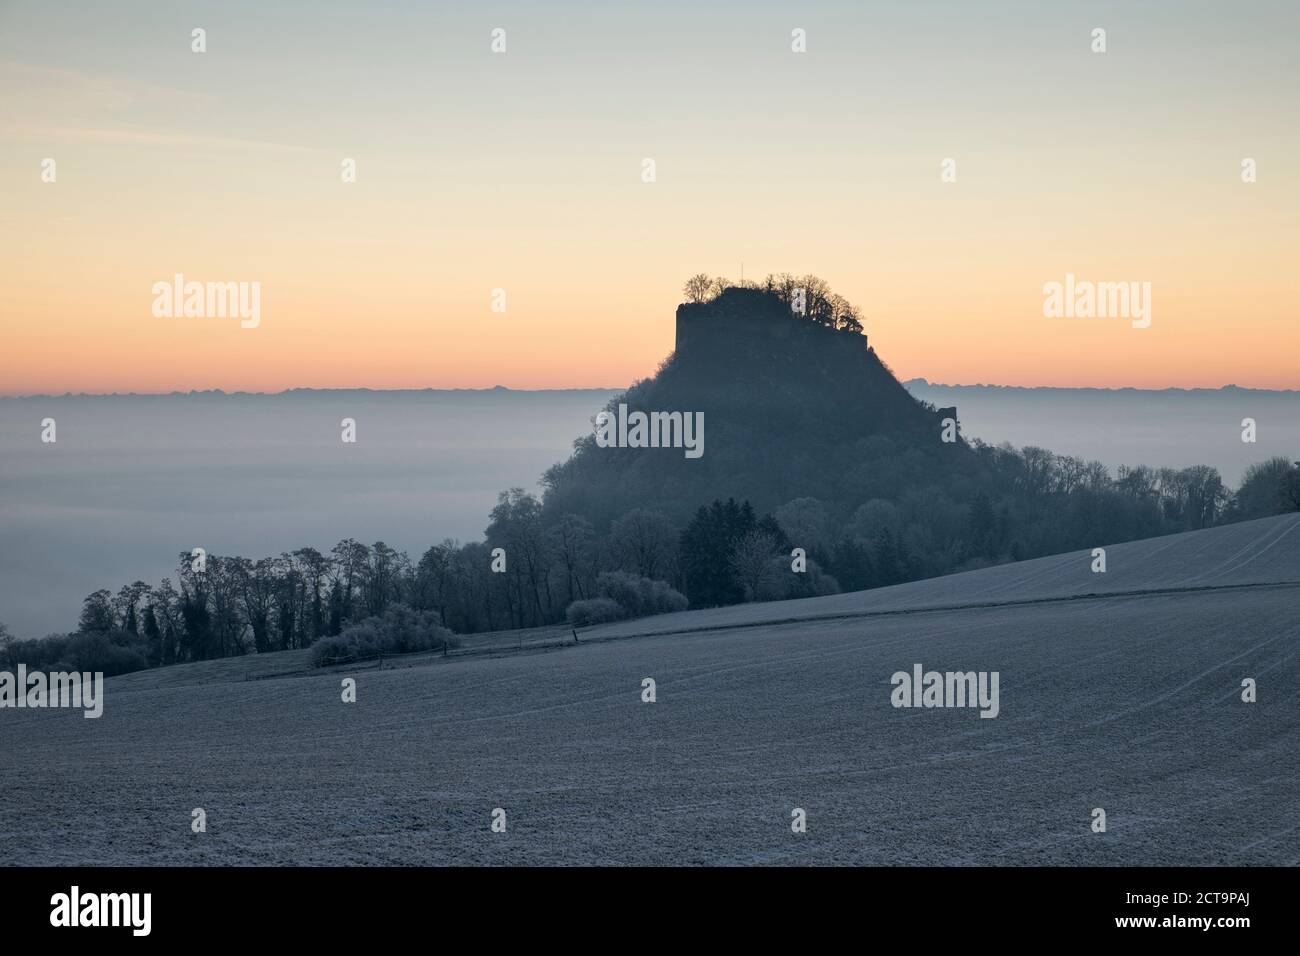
740	314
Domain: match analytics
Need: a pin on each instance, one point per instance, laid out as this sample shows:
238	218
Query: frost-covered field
1128	702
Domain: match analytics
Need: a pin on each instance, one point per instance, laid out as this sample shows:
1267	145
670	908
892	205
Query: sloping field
1130	702
297	663
1265	551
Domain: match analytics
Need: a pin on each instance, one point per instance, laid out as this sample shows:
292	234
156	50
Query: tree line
553	568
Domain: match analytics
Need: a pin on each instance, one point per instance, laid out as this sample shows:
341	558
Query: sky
523	171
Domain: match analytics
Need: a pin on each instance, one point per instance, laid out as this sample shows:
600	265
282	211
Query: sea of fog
1127	426
134	480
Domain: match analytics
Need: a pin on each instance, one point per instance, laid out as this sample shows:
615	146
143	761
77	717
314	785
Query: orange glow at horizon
522	173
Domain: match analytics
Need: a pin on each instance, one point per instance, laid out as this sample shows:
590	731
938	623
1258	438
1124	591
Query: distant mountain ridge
324	392
916	385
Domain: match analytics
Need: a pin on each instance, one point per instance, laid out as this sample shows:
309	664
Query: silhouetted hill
791	409
806	422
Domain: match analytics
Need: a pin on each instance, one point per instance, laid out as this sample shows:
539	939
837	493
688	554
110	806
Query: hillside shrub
639	596
600	610
399	630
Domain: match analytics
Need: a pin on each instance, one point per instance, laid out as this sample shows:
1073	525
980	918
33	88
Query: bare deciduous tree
645	542
698	288
750	561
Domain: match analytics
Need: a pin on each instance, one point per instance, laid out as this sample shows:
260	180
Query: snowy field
1119	691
